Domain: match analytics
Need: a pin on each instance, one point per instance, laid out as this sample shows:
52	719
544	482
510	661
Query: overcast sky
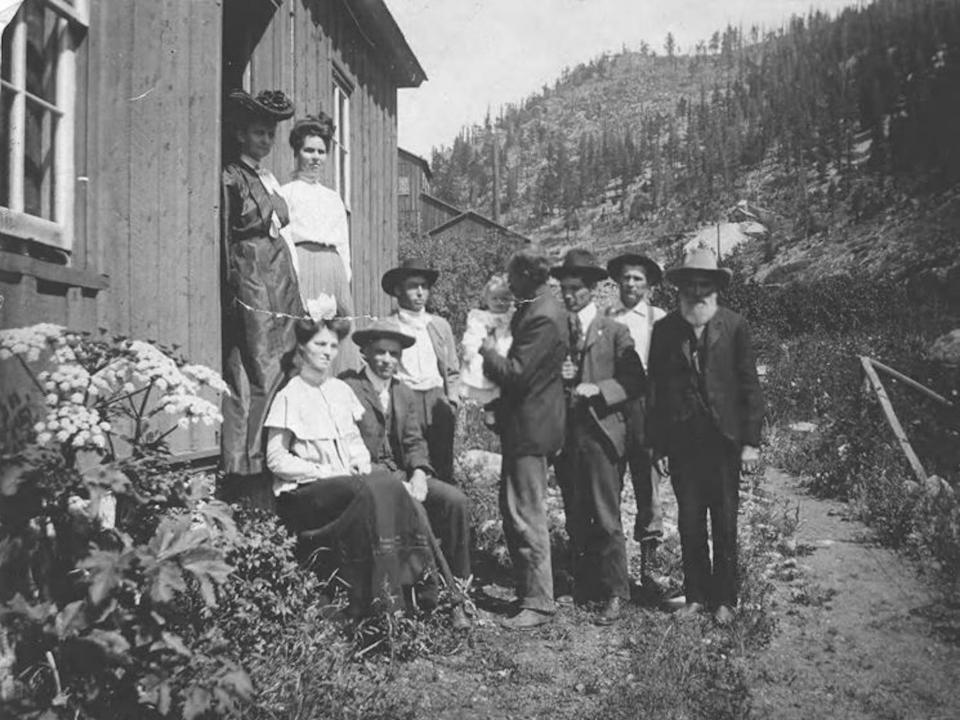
486	53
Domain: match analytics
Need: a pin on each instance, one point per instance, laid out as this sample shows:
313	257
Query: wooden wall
408	203
434	213
148	170
304	42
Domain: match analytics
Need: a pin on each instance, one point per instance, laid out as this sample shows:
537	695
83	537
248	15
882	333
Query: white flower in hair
322	307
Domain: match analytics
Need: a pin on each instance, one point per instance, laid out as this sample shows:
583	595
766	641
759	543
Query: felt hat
382	329
271	105
650	266
392	277
700	261
581	263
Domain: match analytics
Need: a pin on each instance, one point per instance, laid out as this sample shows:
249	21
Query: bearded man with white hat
704	421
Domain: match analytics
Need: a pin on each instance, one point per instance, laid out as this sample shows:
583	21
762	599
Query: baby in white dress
494	320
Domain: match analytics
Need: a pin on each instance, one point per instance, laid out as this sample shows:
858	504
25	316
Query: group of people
594	392
360	466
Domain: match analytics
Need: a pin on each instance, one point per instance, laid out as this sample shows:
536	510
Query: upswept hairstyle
305	329
320	124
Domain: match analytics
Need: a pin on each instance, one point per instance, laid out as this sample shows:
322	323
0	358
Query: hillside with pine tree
837	133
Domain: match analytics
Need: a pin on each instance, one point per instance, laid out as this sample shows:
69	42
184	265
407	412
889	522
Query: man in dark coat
392	429
531	418
603	373
704	422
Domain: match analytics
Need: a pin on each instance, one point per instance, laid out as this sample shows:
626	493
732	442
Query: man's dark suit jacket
406	434
734	397
609	360
532	408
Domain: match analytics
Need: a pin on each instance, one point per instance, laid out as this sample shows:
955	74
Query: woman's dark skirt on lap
367	527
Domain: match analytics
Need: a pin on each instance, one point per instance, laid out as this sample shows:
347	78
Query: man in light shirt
636	275
430	367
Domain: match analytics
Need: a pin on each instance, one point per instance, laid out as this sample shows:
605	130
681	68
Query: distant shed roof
416	159
442	204
483	220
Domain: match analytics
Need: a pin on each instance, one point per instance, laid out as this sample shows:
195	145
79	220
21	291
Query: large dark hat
267	105
382	329
700	261
650	266
392	277
581	263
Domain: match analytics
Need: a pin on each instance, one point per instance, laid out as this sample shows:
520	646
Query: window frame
15	221
342	90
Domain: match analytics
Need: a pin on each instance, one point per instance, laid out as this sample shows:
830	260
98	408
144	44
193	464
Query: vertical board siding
108	219
203	197
325	35
154	174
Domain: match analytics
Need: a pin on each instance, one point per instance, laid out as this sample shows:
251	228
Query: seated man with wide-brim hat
392	431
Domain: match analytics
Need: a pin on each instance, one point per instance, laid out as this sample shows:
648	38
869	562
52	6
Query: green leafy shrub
102	616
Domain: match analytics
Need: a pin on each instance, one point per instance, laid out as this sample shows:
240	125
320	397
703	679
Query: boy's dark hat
267	105
580	263
652	268
382	329
700	261
392	277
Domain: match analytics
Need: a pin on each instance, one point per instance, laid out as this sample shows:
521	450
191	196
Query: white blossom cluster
30	342
205	376
79	404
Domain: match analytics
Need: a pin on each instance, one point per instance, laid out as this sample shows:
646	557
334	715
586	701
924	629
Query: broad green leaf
71	620
198	702
175	643
10	478
239	683
167	583
114	643
106	571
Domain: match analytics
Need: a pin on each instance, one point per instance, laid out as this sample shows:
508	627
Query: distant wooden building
422	213
110	152
413	178
469	225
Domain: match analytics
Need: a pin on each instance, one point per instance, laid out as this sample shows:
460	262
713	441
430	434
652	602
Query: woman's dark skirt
367	529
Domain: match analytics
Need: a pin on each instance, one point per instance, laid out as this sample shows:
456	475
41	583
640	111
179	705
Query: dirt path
854	639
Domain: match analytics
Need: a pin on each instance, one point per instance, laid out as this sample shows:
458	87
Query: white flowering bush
92	384
111	559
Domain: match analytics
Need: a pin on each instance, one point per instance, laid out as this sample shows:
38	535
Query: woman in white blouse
318	228
361	522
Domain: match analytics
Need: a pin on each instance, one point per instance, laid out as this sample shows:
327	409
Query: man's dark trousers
523	495
646	490
705	480
589	477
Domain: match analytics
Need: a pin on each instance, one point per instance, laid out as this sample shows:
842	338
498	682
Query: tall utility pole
494	148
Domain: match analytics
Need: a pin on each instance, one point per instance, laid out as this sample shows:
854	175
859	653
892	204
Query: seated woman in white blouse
364	523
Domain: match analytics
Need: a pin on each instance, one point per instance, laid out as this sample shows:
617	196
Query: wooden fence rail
873	381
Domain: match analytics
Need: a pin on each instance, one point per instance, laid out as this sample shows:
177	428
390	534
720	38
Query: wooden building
469	227
110	151
413	178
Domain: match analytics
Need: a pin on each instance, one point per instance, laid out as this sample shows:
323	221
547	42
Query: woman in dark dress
259	287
